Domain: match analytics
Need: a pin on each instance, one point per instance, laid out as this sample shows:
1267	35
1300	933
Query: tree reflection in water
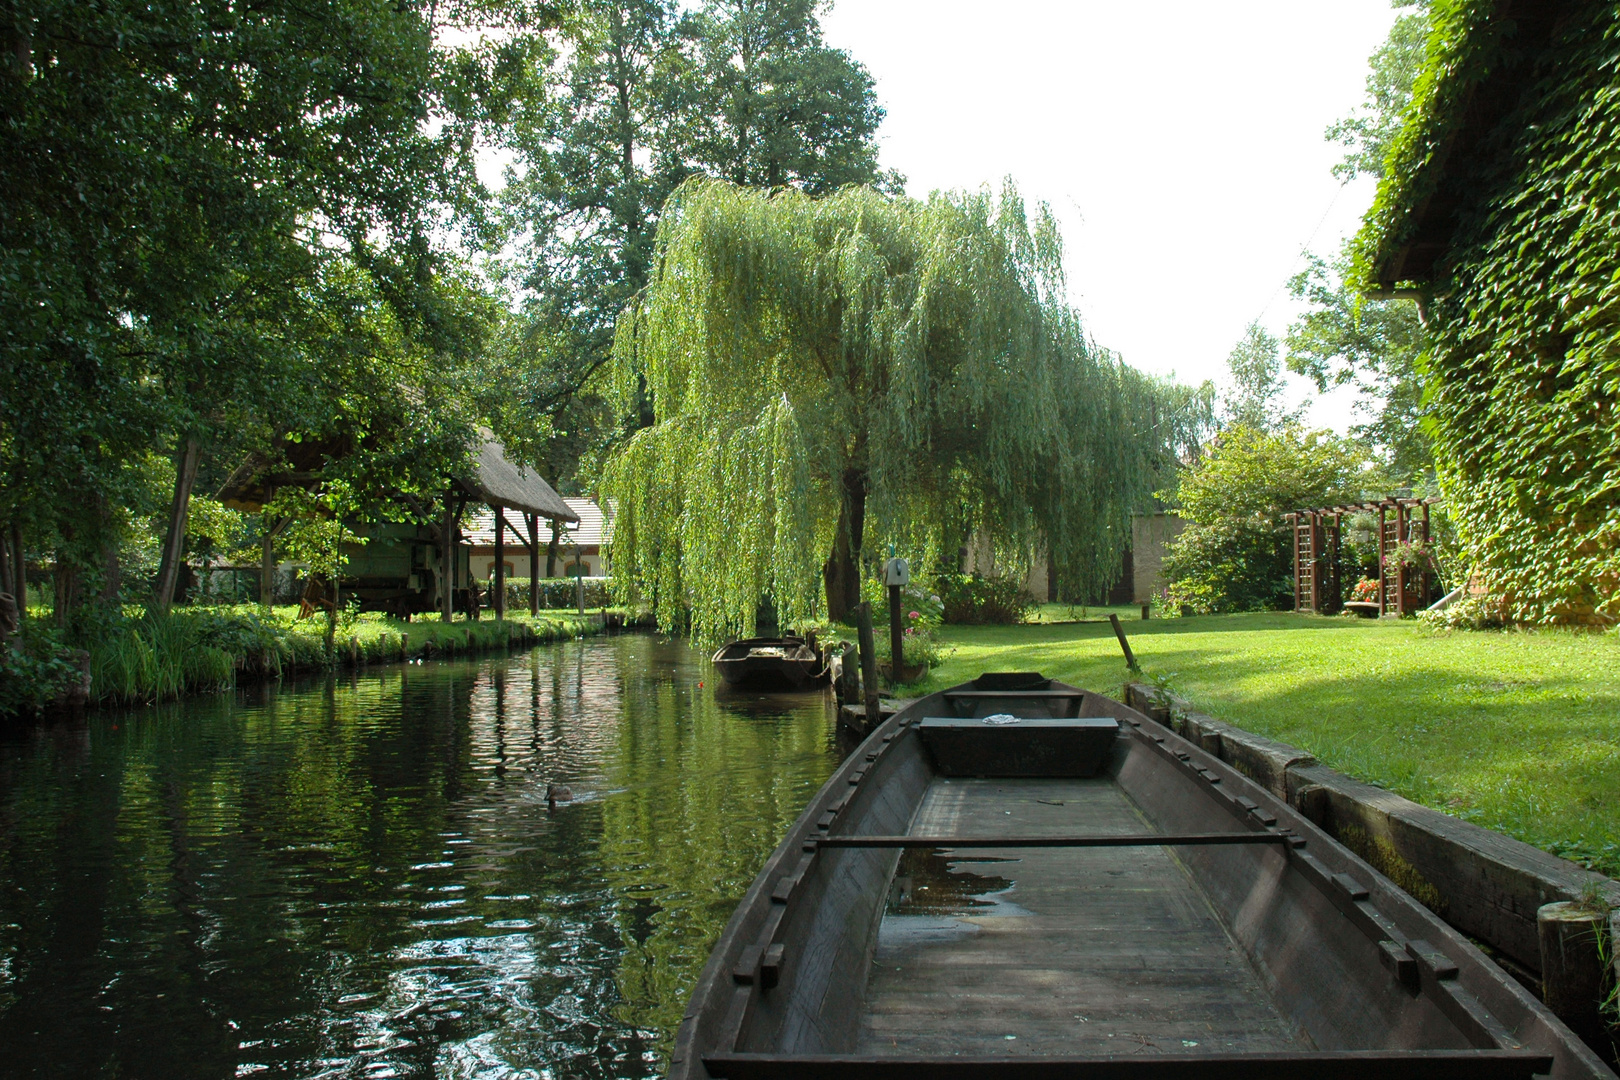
361	877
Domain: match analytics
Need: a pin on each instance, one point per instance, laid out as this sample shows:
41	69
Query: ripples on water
362	879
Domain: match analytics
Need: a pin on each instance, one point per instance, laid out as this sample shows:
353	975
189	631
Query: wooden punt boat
783	663
1143	910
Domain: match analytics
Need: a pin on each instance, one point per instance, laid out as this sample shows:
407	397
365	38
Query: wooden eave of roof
1431	224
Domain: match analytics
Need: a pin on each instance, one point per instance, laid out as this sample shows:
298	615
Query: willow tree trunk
185	474
551	551
842	572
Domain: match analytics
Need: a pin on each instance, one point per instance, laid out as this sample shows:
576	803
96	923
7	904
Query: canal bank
358	874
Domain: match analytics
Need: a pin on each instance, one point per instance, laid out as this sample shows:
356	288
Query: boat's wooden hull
1163	916
767	664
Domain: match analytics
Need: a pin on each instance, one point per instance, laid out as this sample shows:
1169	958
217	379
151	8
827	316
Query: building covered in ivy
1500	213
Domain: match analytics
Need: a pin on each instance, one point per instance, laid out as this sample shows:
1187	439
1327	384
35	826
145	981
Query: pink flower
916	614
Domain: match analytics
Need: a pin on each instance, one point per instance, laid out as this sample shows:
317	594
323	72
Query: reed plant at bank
148	656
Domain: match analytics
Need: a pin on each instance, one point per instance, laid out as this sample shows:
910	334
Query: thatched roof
498	482
494	479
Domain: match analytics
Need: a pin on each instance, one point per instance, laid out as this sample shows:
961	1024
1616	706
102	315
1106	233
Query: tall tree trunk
19	569
551	550
842	572
185	474
66	579
10	565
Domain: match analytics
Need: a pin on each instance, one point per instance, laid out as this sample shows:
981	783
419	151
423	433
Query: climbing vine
1524	373
832	374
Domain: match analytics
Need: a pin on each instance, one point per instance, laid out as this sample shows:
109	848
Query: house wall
517	562
979	557
1150	535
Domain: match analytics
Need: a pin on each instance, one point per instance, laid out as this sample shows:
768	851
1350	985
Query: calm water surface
362	879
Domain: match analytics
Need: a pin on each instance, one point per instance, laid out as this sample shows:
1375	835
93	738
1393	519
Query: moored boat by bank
1016	877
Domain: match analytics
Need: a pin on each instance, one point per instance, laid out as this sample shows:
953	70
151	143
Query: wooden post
19	568
500	563
447	559
579	579
863	624
175	540
1424	580
1383	571
1125	646
897	635
1572	955
533	521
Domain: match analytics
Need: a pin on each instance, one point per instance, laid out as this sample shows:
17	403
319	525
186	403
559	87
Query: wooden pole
1383	571
897	635
267	565
1572	975
500	563
579	579
533	521
863	625
1125	646
447	559
1293	527
174	541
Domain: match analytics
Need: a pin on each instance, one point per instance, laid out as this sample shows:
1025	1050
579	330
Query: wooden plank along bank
1489	886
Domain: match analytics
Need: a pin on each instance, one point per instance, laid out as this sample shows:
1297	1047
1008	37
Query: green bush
1237	550
556	593
35	669
977	600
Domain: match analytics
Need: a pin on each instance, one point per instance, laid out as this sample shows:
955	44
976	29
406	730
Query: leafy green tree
826	373
774	106
1236	551
180	181
1255	370
1368	132
1376	346
633	99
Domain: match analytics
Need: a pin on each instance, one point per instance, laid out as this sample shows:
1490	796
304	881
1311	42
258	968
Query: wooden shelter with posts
420	566
1405	574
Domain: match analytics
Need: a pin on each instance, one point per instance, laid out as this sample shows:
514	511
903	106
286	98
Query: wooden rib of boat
1019	878
782	663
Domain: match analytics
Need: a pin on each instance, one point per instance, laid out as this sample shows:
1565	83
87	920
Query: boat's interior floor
1063	951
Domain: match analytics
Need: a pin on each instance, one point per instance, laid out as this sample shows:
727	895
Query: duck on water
1157	914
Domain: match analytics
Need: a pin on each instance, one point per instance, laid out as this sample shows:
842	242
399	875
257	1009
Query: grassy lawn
1516	731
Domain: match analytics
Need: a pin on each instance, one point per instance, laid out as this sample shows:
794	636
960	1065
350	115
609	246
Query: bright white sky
1178	142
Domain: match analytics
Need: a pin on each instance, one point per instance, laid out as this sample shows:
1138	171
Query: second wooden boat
782	663
1019	878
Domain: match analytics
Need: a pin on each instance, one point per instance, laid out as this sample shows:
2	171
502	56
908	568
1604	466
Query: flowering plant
1366	590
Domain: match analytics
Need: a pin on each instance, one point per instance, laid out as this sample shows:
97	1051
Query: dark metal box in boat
1166	916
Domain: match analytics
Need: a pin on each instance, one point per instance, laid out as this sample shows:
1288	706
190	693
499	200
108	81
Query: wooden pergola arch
1401	589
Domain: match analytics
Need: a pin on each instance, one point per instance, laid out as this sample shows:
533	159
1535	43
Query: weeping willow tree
827	375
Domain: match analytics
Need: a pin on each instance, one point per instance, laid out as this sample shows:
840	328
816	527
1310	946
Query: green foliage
1369	133
805	358
1377	346
35	669
1236	552
630	99
1525	360
969	599
1257	384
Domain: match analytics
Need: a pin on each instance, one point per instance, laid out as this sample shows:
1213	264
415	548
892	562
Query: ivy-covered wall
1523	381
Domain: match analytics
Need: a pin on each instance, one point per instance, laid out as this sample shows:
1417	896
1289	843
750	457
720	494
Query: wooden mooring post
1572	965
863	623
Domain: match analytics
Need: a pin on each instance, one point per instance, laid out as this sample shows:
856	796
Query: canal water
362	877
